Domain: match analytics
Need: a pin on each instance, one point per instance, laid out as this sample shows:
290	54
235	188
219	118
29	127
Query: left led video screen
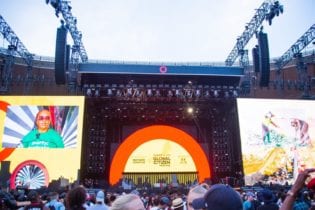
43	133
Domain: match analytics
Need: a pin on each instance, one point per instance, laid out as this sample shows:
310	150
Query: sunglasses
43	118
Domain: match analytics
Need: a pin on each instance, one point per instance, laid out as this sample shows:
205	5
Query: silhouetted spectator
219	197
76	198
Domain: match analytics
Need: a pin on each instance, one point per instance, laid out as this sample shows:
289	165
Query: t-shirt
56	204
270	206
34	206
248	205
49	139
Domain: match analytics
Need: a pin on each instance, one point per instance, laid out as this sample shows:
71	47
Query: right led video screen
277	138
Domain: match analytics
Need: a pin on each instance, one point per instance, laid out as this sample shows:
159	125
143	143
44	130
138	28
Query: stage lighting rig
267	9
13	39
274	10
15	47
63	7
294	52
297	47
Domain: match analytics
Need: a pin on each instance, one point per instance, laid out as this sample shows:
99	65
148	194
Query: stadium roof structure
202	74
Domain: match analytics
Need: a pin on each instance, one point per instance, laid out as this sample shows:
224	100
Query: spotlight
190	110
109	92
198	93
226	94
118	93
149	92
97	93
275	10
89	92
235	94
169	93
216	93
129	92
157	93
137	93
177	93
189	93
207	94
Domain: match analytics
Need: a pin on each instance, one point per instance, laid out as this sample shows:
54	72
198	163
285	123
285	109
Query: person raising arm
296	187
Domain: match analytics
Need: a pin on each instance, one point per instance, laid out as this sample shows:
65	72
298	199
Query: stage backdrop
160	155
277	138
35	158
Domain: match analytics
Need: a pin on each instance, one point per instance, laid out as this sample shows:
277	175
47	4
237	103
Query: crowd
300	196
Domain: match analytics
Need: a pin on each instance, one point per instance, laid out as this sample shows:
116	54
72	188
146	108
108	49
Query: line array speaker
264	61
68	50
255	54
61	56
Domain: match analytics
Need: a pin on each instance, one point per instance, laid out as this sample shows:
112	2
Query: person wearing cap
219	197
196	192
164	203
268	199
128	202
178	204
99	202
54	201
248	204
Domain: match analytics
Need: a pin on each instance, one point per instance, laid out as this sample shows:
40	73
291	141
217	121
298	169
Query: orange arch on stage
4	153
158	132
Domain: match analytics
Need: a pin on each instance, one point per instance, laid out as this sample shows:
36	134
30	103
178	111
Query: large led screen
40	127
277	138
40	138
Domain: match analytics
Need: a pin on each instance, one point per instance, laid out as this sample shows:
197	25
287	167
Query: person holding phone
43	135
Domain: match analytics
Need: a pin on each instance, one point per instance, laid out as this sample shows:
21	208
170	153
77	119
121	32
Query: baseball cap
100	196
250	194
219	197
266	196
164	200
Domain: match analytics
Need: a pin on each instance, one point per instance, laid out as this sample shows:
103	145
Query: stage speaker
5	173
61	56
264	61
68	51
255	54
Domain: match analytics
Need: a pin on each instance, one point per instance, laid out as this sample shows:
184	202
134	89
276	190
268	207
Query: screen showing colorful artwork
277	138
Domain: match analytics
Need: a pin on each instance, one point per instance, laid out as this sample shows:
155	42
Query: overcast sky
157	30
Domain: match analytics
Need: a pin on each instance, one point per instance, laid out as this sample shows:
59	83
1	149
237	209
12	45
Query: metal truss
294	52
63	7
15	47
6	69
15	42
266	11
296	48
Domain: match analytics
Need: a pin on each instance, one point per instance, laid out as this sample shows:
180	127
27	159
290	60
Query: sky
157	30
